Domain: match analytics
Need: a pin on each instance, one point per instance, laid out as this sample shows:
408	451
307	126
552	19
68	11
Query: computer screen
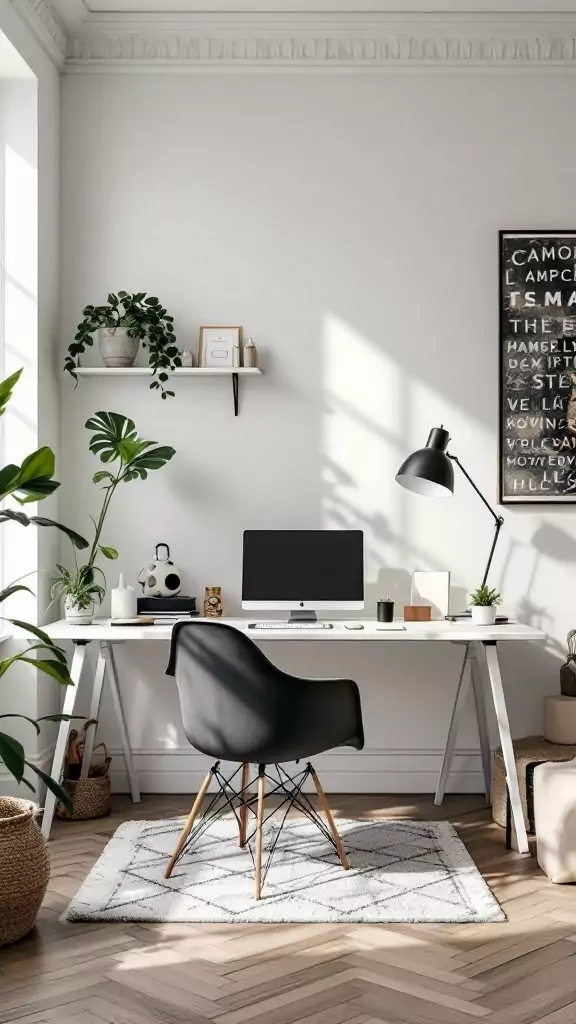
303	567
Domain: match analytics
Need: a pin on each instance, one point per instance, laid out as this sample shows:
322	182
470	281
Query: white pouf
560	719
555	819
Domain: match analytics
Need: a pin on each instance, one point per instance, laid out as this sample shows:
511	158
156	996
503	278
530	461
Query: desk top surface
447	631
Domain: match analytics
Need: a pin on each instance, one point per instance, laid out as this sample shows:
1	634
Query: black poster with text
537	367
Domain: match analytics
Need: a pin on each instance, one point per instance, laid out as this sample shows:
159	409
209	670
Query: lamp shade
429	471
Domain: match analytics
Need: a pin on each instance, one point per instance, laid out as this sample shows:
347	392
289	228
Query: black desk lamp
429	472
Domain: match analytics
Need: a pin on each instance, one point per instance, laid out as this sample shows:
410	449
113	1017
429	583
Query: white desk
480	657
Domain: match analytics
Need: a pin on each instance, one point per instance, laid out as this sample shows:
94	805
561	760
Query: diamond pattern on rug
399	871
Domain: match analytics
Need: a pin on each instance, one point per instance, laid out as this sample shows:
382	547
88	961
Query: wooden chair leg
330	820
189	823
259	817
244	807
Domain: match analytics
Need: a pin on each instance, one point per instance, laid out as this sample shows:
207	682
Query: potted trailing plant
24	863
122	323
483	603
116	441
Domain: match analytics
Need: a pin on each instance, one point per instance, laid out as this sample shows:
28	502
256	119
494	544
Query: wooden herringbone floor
520	972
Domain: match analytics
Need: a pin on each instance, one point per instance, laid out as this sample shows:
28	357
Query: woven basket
91	797
24	868
526	751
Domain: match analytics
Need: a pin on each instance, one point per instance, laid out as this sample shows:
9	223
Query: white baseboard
368	771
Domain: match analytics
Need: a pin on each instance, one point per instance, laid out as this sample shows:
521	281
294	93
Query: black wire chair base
230	798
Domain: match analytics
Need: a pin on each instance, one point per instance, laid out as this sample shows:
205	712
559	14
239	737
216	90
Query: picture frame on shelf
219	346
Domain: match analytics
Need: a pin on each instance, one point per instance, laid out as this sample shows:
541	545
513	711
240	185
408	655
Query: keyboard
290	625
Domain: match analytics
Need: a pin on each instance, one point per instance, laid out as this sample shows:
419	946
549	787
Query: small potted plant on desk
483	603
116	441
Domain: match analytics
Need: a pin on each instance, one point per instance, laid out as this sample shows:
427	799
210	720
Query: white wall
349	222
30	141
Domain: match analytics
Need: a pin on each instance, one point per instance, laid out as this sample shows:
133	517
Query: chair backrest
237	706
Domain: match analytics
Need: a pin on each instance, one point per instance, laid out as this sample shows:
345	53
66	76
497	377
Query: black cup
385	611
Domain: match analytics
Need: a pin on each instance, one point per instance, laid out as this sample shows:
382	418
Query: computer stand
302	615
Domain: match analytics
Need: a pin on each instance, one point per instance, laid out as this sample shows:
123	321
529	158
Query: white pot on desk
78	616
483	614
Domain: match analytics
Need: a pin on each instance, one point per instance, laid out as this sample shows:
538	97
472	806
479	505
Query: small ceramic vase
117	348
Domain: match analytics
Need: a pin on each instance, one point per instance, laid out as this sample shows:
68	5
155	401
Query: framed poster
537	356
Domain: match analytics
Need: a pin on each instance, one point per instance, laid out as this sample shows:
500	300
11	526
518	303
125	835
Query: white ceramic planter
78	616
117	348
483	614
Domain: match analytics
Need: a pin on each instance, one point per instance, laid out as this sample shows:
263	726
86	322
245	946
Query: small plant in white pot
115	440
483	604
122	323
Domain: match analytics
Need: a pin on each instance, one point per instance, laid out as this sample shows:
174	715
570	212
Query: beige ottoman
555	819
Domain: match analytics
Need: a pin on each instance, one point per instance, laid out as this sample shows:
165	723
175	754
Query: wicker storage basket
24	868
91	797
526	751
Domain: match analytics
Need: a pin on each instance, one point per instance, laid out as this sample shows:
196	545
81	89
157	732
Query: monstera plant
31	482
115	440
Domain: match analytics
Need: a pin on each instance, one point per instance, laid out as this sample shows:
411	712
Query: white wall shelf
183	371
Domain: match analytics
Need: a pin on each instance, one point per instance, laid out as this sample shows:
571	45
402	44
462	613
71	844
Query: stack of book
167	610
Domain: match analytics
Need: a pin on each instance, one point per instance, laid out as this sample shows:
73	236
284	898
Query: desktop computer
302	571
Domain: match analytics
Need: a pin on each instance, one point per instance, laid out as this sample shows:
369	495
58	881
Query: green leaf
8	478
108	552
78	541
54	787
40	464
6	388
152	300
46	640
13	589
13	514
26	719
12	753
102	474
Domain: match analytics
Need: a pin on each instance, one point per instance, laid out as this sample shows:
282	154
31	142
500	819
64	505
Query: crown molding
80	40
40	18
312	42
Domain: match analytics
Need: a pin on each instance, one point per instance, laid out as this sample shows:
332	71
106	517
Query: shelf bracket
235	392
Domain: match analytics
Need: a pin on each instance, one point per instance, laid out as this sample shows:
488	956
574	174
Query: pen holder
385	611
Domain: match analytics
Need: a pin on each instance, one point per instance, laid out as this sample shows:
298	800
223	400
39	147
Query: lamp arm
498	520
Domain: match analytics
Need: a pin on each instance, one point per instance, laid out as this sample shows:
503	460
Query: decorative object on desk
536	412
432	588
31	481
529	752
123	604
389	861
117	443
160	578
385	610
483	604
219	346
123	322
417	613
187	357
24	868
250	354
568	670
168	606
429	472
213	607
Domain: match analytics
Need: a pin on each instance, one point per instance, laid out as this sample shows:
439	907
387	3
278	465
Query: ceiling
336	6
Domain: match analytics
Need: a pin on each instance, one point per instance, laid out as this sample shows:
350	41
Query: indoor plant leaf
108	552
54	787
12	753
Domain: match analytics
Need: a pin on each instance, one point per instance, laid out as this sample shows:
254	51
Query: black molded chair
237	706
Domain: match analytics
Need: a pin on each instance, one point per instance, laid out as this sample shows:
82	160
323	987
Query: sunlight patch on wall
363	395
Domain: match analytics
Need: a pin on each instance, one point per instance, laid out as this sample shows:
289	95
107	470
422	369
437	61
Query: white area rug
400	871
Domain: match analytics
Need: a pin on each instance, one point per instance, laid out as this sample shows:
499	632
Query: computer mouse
353	625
